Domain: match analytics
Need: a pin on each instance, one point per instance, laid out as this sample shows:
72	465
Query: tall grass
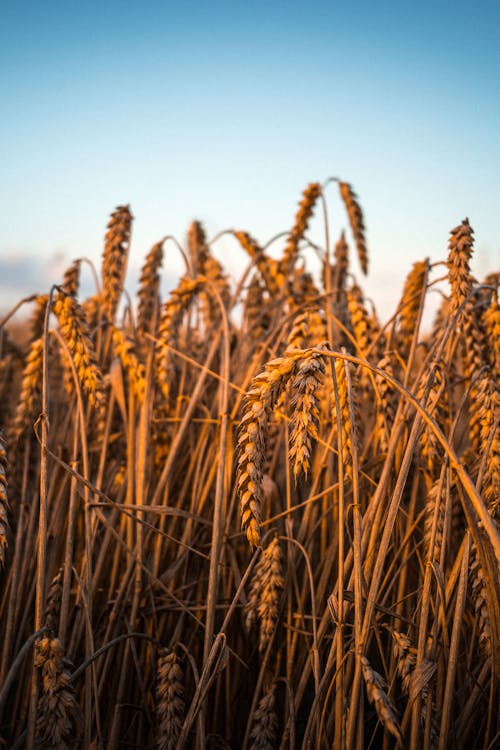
252	515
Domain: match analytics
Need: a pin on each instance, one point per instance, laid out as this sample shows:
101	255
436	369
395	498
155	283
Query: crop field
252	515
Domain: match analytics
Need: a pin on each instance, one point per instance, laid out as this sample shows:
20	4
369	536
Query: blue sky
224	111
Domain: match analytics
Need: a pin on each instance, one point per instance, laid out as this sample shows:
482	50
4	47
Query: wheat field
252	515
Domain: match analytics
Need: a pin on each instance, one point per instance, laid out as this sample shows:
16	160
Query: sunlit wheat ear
75	333
386	406
460	251
258	404
203	262
256	317
302	290
29	402
349	430
360	320
304	388
474	363
356	221
341	267
434	497
480	600
304	213
486	407
266	267
437	406
71	279
4	506
491	326
308	329
92	311
124	349
149	292
168	327
169	695
376	691
299	331
114	259
410	305
217	279
263	735
37	319
57	707
197	246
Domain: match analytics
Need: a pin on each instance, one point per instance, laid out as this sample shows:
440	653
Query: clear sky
224	111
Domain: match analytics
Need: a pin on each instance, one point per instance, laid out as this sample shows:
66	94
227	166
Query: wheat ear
75	333
410	305
30	396
491	325
263	735
355	215
57	706
136	371
114	259
376	691
149	291
304	388
168	327
460	246
170	705
4	505
71	279
265	389
304	213
265	591
265	265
